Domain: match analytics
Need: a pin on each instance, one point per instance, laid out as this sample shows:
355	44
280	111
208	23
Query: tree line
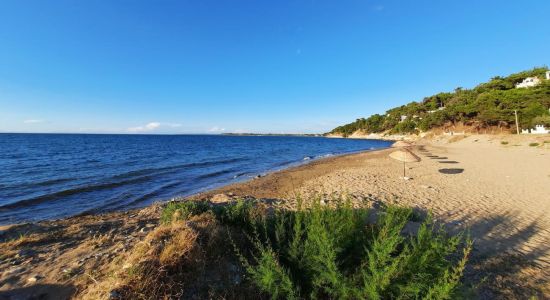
489	104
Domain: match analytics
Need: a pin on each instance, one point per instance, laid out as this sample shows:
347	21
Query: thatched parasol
401	144
405	156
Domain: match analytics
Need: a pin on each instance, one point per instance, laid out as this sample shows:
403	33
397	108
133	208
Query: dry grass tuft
100	240
179	245
181	259
24	240
153	268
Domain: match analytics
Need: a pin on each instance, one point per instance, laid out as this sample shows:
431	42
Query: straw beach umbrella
405	156
401	144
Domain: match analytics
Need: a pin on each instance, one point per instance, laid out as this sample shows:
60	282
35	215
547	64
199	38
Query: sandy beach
501	193
496	188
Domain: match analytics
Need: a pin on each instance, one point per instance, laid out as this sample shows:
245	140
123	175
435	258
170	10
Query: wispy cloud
378	7
216	129
33	121
145	128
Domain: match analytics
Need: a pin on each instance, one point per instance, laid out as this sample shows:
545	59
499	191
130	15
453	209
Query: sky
201	66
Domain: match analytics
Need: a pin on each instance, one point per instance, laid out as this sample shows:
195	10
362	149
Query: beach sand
498	193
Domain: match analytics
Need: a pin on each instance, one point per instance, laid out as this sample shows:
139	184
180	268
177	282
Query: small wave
284	163
51	182
161	170
118	203
44	183
239	174
215	174
92	161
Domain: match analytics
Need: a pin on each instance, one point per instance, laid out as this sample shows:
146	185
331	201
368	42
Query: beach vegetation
533	144
332	253
182	210
240	212
504	143
490	104
327	250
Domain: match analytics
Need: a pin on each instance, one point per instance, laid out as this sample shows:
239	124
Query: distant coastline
274	134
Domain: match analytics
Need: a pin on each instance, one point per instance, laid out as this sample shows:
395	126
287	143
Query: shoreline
279	184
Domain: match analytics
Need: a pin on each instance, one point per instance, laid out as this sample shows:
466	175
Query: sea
51	176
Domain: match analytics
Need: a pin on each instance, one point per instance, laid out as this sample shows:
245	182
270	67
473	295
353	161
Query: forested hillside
486	105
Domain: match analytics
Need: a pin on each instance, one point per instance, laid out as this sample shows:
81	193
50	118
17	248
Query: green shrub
407	126
331	252
533	144
182	210
240	212
504	143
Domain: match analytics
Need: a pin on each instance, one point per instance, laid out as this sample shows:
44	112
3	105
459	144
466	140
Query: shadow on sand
39	291
497	269
451	171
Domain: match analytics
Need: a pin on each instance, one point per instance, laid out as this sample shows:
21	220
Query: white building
529	82
439	108
539	129
547	75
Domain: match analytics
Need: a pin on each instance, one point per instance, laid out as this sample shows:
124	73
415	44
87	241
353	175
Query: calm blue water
49	176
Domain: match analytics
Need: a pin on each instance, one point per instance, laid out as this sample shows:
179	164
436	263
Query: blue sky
248	66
